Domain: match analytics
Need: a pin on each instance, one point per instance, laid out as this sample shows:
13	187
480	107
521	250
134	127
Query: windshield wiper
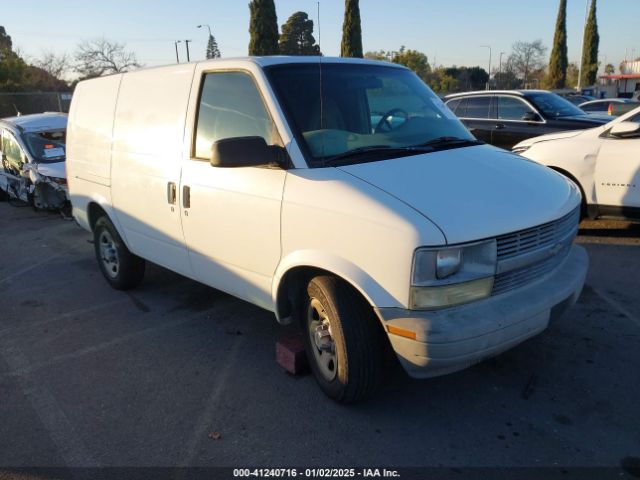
450	141
373	149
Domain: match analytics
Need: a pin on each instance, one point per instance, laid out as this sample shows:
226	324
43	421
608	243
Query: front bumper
455	338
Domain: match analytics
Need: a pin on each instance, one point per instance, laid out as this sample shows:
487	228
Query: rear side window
230	107
478	107
510	108
453	104
596	107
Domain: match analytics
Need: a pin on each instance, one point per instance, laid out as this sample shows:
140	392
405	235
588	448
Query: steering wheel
384	121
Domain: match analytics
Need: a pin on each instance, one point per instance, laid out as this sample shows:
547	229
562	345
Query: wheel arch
294	273
586	209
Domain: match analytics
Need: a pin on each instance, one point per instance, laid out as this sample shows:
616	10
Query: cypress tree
351	31
297	36
559	62
263	28
590	48
212	48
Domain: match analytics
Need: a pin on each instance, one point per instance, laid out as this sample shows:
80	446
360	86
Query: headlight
450	276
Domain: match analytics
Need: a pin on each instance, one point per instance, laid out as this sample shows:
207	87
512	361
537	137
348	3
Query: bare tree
52	63
526	57
94	58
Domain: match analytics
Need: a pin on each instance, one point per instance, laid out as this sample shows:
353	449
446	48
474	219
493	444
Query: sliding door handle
171	193
186	196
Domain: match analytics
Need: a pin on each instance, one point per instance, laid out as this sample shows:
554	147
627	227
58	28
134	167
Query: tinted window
231	106
596	107
510	108
553	106
478	107
453	104
461	111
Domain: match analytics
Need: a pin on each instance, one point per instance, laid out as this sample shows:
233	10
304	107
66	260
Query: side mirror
241	152
531	117
625	130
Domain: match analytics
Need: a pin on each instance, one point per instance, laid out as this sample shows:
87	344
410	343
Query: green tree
263	28
415	60
297	36
558	62
351	45
379	55
212	48
609	69
572	75
590	48
5	40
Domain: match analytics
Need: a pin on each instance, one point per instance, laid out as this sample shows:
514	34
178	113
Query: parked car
606	105
33	159
604	162
504	118
263	179
577	99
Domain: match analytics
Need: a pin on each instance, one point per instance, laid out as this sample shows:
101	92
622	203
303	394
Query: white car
33	159
604	162
343	196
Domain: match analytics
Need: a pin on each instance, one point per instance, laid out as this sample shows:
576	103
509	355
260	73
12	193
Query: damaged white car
33	160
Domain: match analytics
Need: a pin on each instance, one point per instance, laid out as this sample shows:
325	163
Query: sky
449	32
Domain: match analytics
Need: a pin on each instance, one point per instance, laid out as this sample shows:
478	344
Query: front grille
507	281
531	239
528	246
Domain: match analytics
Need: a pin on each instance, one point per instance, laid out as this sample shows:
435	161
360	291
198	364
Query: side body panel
147	147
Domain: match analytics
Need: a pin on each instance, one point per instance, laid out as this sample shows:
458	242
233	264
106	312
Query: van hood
475	192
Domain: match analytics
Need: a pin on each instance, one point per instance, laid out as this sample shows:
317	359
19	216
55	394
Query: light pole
205	25
186	42
176	45
500	67
586	12
489	47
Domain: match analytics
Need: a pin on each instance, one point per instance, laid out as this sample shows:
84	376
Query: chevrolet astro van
338	193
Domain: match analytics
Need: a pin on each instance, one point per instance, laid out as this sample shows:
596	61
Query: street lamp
500	67
176	45
205	25
186	42
489	47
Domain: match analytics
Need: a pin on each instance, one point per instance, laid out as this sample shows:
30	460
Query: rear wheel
121	268
343	340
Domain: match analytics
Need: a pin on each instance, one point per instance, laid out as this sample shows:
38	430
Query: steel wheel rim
109	254
322	344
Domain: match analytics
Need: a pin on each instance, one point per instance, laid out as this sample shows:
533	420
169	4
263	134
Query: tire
121	268
344	342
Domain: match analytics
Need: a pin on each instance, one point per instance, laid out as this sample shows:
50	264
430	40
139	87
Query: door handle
186	196
171	193
500	126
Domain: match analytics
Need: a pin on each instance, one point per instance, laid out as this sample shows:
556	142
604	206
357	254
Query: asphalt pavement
178	374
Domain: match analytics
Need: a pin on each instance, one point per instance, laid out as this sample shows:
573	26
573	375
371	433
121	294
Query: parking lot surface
178	374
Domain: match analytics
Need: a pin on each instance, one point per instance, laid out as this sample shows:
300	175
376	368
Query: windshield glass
363	107
553	106
46	147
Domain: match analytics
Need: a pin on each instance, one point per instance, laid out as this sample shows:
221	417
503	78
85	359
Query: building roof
622	76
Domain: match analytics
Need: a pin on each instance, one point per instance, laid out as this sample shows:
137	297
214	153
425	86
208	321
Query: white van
343	195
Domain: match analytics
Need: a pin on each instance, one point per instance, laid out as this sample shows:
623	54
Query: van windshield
364	108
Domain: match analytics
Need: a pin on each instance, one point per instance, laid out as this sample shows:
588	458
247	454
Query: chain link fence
23	103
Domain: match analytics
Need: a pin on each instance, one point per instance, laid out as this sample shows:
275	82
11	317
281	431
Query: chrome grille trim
546	235
527	255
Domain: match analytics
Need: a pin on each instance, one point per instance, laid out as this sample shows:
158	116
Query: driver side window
11	149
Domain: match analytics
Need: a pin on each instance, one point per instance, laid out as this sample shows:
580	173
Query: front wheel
343	340
121	268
